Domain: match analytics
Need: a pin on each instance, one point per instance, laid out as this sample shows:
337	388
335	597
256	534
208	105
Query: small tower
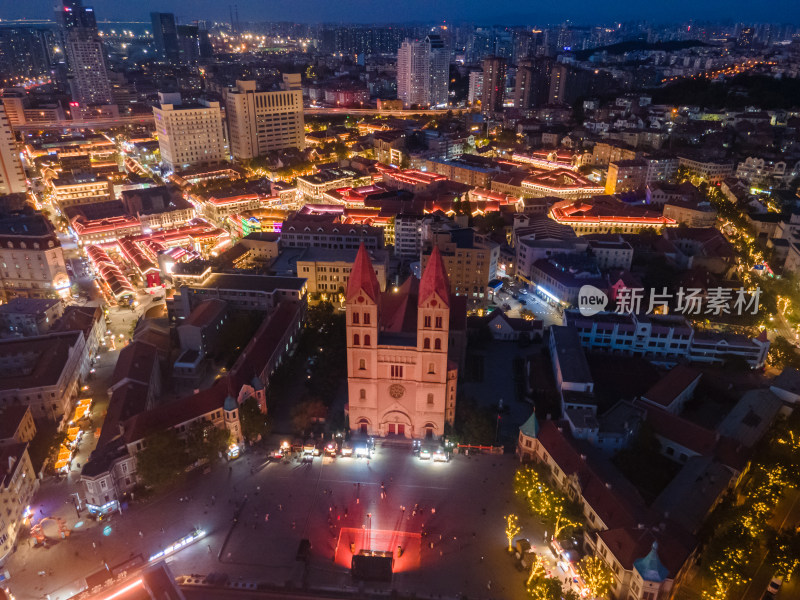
230	409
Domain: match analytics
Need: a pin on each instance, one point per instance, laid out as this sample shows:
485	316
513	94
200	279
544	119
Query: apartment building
626	176
470	261
706	169
259	122
189	135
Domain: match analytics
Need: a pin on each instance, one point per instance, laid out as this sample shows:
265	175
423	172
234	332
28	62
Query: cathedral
402	352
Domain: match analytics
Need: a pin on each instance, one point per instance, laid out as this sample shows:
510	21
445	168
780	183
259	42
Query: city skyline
503	12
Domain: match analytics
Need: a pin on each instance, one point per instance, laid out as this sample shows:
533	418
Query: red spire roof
363	278
434	279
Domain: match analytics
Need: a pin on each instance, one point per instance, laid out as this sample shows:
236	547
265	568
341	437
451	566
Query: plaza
442	520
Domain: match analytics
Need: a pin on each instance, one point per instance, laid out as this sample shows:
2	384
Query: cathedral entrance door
364	428
391	429
401	429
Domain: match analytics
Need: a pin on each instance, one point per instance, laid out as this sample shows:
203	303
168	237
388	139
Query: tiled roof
672	385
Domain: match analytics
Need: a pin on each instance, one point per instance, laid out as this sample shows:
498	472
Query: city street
541	309
452	542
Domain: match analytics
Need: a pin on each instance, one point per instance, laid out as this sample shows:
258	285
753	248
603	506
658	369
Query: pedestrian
141	534
293	524
433	511
280	507
209	548
489	585
266	517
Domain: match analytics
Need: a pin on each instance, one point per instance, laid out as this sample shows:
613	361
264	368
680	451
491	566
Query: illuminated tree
512	529
545	588
725	560
784	553
538	570
596	575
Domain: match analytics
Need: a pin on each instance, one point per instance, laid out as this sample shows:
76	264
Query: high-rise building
414	73
532	83
439	70
423	71
86	59
12	175
475	86
189	134
494	85
401	381
189	44
165	36
25	53
259	122
568	83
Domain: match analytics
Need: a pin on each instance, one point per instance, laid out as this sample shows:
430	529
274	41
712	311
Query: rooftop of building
255	283
135	363
206	313
28	306
672	385
11	417
606	208
571	359
47	356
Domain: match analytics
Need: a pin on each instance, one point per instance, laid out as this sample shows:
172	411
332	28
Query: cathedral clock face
396	391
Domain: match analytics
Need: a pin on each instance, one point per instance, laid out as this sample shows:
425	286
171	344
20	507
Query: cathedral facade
401	380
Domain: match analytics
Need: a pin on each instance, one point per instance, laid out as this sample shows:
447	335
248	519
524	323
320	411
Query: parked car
774	586
425	454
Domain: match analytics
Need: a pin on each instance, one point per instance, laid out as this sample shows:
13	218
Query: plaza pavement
460	512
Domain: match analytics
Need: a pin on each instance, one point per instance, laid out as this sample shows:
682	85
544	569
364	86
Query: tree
596	575
545	588
558	511
512	529
204	441
784	553
305	413
725	560
538	570
162	458
255	424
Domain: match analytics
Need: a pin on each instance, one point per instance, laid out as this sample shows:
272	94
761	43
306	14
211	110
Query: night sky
478	11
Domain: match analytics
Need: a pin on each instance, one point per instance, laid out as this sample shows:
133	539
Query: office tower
12	175
532	83
188	44
88	75
165	36
423	71
475	86
189	134
259	122
494	85
439	70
